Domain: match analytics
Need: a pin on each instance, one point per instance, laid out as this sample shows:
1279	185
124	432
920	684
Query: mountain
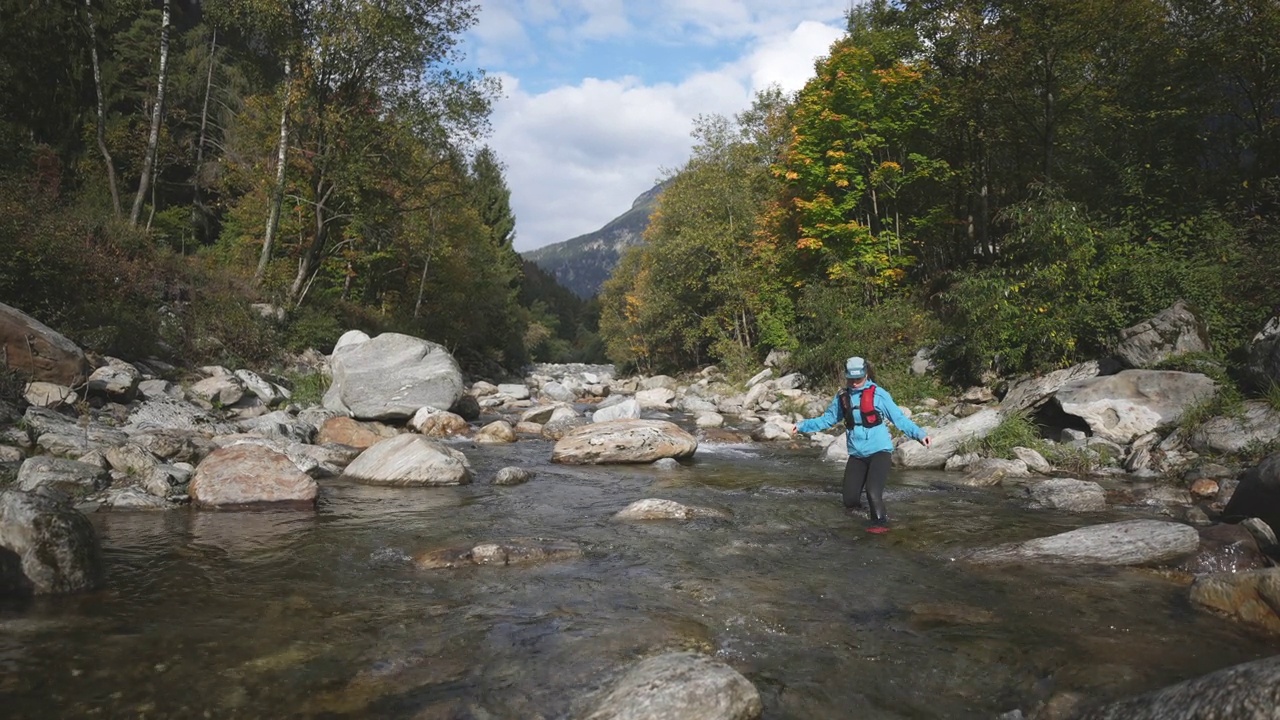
585	262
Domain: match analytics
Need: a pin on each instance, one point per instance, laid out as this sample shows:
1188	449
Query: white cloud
577	155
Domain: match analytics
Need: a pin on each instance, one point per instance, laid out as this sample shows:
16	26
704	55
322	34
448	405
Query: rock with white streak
1131	542
679	685
392	376
250	475
1133	403
268	392
624	441
1067	494
628	409
946	440
410	461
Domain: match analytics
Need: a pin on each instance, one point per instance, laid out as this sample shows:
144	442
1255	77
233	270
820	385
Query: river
282	614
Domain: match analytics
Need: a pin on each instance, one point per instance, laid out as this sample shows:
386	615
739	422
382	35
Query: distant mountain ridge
582	264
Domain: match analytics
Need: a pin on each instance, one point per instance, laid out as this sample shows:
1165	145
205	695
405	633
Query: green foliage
1206	364
1074	459
1047	303
12	385
1014	430
1226	402
834	324
1272	396
308	388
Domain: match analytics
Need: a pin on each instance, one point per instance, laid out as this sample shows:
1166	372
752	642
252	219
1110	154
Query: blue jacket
865	441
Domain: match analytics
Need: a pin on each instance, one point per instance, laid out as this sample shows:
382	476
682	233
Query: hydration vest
866	407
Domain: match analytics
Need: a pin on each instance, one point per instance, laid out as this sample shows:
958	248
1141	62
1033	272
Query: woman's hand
792	428
927	441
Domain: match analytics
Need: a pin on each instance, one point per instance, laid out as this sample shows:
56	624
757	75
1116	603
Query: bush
1014	430
835	324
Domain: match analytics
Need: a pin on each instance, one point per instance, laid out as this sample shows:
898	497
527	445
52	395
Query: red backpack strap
867	407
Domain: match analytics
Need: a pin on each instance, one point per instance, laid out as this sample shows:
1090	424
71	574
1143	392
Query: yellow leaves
792	175
890	166
842	183
809	243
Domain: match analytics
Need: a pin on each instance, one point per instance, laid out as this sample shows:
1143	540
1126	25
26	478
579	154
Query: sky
599	96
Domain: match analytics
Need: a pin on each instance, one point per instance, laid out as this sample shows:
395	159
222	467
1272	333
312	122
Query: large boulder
1249	691
1263	367
679	685
410	461
39	352
391	377
248	475
1028	393
624	441
46	546
1172	332
1258	425
1258	494
1132	403
1132	542
946	440
1067	494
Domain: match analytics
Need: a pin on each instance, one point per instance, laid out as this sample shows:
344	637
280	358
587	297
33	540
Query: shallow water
321	614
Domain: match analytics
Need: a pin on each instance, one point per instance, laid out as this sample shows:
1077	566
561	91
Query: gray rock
49	395
777	358
694	405
1068	494
656	398
922	363
1263	533
793	381
269	393
624	441
679	685
219	390
960	463
169	414
1172	332
709	420
281	425
557	392
988	472
410	461
539	414
1132	542
512	476
152	389
1263	366
558	427
434	422
656	509
945	441
1132	403
75	479
391	376
1033	392
1258	494
514	391
42	354
132	498
517	551
46	546
1070	435
1249	691
626	410
496	433
1257	425
117	380
760	377
1035	461
664	382
349	339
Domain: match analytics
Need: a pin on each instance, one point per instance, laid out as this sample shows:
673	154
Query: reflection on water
321	615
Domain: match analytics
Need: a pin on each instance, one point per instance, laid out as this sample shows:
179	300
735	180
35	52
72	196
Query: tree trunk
204	124
102	113
310	260
422	281
277	193
153	140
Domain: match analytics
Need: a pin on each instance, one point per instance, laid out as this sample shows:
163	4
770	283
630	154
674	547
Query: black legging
871	472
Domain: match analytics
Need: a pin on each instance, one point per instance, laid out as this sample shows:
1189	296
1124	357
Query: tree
157	111
493	198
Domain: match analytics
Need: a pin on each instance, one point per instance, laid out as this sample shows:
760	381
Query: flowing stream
276	614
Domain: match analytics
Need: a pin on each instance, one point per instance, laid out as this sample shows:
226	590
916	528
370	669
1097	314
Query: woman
864	407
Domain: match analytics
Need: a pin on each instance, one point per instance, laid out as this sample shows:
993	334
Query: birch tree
157	111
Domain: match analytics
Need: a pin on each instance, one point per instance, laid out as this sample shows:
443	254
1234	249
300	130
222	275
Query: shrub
1014	430
308	388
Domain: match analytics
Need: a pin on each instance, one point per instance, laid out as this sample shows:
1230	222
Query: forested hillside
1009	182
163	164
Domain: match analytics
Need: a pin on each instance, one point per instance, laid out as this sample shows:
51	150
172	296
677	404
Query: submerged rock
518	551
1252	597
512	476
1068	494
656	509
1249	691
677	686
1132	542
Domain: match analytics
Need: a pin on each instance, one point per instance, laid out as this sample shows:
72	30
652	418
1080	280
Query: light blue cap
855	368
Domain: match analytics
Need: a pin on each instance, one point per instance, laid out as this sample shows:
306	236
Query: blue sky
599	96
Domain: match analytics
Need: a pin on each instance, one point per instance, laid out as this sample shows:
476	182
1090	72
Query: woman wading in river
864	407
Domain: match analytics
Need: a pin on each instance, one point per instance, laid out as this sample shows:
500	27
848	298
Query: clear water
321	614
